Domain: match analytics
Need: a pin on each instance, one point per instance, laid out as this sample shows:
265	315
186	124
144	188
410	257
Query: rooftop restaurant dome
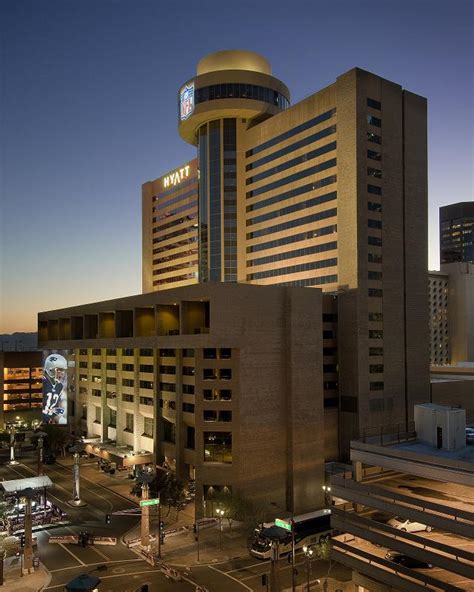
234	59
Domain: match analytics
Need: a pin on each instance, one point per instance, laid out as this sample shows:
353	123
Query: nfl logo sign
186	101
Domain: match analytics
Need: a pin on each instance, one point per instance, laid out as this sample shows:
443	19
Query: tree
323	552
236	507
56	438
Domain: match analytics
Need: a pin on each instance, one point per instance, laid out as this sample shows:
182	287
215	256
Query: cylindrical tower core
232	90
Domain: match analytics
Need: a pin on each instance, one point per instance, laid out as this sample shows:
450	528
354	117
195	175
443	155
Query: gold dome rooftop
234	59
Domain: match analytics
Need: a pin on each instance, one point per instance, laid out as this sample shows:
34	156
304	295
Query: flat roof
29	482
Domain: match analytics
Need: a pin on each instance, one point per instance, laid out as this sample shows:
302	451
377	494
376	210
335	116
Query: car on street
408	525
469	435
406	560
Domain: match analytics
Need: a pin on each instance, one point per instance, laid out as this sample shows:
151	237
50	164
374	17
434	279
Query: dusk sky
88	113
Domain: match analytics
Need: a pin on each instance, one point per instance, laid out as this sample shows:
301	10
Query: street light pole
274	579
308	553
40	435
12	446
220	515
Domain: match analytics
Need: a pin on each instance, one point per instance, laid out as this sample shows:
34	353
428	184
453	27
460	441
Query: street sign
150	502
283	524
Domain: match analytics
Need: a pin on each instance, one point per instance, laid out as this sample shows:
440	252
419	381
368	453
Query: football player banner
54	408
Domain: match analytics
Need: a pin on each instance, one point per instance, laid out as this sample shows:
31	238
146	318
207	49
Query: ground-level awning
121	455
16	485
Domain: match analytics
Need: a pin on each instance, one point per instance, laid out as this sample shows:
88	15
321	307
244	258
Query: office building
328	194
456	233
20	386
452	314
220	382
429	484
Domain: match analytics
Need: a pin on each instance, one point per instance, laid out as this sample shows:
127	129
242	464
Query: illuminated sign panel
186	101
283	524
55	388
176	177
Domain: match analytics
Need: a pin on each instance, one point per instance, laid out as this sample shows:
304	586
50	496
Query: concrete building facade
452	314
221	382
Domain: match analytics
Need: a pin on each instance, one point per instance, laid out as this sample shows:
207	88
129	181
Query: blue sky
88	113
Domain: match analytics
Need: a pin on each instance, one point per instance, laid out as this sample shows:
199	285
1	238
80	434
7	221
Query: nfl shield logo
186	101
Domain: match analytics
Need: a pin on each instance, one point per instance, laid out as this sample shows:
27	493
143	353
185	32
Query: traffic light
108	518
22	541
162	525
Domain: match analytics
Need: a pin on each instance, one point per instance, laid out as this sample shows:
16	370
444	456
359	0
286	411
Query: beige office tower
170	229
331	193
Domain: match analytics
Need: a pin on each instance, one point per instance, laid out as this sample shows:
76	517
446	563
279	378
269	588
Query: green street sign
150	502
283	524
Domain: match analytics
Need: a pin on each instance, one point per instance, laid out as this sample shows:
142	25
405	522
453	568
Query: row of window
297	269
162	205
323	166
232	90
284	166
331	213
292	132
303	205
294	238
292	147
293	254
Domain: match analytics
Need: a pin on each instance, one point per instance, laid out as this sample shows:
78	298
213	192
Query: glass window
375	293
373	206
373	258
218	447
375	334
374	155
375	316
188	407
98	415
375	241
148	427
209	374
376	368
371	137
375	121
225	353
374	189
129	419
376	386
112	418
209	353
375	351
169	431
375	224
374	173
225	374
297	269
374	104
167	353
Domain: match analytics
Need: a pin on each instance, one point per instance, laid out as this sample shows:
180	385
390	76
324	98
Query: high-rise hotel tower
322	206
330	192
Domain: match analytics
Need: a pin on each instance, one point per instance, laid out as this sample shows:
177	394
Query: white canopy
20	484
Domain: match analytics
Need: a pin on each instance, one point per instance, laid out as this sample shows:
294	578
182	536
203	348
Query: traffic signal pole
145	522
159	526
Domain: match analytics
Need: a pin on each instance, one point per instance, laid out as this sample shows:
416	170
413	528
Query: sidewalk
30	583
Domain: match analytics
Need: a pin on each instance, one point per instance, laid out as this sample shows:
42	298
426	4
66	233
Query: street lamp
40	435
12	430
308	553
76	501
327	494
220	514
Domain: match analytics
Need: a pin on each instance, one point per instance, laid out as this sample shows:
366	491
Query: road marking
72	554
100	553
260	564
90	564
231	577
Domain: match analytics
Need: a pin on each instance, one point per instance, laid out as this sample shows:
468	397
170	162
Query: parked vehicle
408	525
469	435
406	560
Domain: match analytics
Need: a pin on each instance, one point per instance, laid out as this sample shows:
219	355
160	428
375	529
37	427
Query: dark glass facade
456	232
232	90
218	201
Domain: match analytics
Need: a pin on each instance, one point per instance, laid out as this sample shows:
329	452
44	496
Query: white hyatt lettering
176	177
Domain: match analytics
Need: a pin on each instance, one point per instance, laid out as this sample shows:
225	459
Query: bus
309	529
